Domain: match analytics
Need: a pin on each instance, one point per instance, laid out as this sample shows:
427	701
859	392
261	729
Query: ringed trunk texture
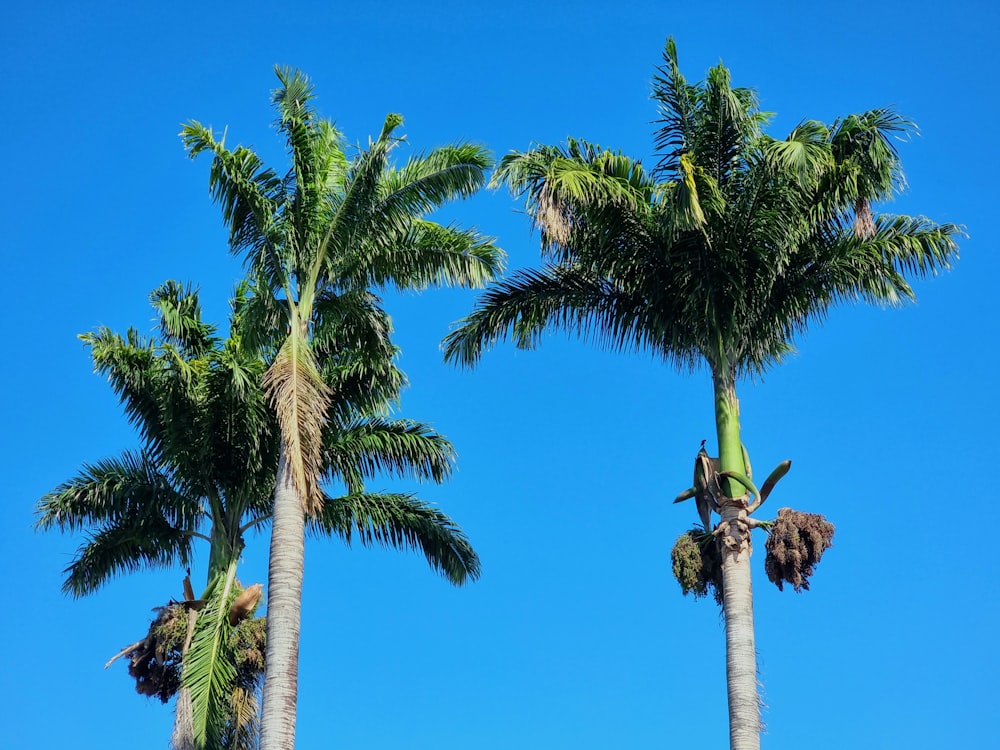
735	545
284	610
183	734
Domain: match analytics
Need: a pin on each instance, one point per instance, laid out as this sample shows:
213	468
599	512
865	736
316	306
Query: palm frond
126	545
429	254
131	486
180	319
403	522
300	399
354	212
394	447
249	194
427	182
677	107
209	671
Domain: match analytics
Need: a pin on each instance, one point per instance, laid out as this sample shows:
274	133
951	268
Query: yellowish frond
300	400
245	719
551	216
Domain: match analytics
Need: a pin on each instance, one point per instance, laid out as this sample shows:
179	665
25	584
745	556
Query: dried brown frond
795	545
552	217
697	564
864	224
244	604
300	399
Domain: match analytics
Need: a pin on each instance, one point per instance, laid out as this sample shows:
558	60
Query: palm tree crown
206	470
317	240
726	250
721	254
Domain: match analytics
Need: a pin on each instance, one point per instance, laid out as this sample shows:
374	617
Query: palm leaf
394	447
124	546
180	319
401	521
300	399
209	671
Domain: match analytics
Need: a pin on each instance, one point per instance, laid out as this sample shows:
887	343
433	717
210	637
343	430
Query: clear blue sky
577	636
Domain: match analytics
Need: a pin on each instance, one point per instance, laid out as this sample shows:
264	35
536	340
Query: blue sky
577	635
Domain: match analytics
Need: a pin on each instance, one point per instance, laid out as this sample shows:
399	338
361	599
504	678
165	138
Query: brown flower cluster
794	547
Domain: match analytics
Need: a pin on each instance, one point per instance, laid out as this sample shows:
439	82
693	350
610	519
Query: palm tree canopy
206	466
209	454
726	250
318	238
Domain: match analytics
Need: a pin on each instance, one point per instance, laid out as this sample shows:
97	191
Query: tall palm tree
729	247
206	470
317	240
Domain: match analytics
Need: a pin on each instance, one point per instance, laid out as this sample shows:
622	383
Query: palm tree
206	471
729	247
317	240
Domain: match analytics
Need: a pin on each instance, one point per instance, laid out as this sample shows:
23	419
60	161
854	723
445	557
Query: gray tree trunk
741	653
284	610
183	734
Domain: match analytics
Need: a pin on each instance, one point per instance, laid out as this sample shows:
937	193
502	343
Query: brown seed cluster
155	662
794	547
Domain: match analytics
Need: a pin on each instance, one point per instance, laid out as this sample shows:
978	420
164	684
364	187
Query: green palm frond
427	182
130	486
351	322
131	368
677	105
393	447
804	154
354	214
564	298
429	254
209	671
249	194
180	319
401	521
126	545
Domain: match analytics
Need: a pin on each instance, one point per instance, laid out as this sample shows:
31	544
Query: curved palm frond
393	447
130	486
426	182
300	399
430	254
353	212
209	671
180	319
401	521
126	545
250	195
565	298
677	106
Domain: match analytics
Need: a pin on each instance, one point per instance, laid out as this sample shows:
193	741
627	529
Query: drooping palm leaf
404	522
300	399
209	671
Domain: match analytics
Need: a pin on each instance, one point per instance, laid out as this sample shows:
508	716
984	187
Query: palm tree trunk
284	610
737	589
183	734
182	737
